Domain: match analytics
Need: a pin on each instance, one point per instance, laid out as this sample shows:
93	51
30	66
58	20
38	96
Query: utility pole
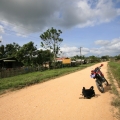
80	55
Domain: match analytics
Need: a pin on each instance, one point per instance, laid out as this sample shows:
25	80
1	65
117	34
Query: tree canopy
27	54
51	40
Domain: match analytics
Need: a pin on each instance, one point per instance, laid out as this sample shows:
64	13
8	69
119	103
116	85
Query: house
81	61
64	60
9	63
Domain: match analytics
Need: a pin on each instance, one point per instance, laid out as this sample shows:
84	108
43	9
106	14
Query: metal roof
9	60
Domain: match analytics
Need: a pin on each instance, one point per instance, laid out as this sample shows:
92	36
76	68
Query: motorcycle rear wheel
99	86
106	82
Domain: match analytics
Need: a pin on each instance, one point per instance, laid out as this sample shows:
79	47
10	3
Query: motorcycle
100	79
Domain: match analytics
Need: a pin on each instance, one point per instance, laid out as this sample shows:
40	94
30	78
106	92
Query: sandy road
58	99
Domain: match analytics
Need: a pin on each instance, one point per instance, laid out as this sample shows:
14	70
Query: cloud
28	16
68	51
1	39
1	29
107	47
22	35
108	42
102	42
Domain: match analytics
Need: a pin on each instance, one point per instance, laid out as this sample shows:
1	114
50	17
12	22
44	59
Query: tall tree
25	54
10	50
51	40
43	56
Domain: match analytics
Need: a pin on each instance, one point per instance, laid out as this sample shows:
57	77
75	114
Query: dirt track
58	99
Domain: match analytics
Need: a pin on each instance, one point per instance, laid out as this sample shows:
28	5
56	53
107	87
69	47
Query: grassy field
20	81
114	68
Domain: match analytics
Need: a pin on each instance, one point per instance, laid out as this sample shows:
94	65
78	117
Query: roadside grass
114	77
115	69
24	80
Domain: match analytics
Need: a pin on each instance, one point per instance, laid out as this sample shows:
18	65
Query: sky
92	25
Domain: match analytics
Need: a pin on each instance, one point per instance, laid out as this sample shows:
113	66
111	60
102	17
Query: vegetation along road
59	99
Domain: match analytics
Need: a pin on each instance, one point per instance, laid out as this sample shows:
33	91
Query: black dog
88	93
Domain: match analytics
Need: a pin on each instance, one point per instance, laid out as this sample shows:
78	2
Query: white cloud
92	13
73	51
107	47
1	29
102	42
28	16
106	10
108	42
22	35
115	41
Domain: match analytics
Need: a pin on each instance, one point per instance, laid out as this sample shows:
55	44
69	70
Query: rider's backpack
88	93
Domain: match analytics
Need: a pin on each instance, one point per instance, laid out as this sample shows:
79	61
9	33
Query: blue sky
93	25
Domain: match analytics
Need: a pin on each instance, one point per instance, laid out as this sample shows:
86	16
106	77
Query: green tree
10	50
2	51
43	57
51	40
105	57
26	53
94	59
117	57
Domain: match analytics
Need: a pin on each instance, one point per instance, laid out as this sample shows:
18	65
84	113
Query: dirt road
58	99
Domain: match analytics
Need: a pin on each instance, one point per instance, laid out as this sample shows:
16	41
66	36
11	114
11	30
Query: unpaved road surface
59	99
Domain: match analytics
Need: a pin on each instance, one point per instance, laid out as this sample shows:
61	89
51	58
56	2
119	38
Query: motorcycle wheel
99	86
106	82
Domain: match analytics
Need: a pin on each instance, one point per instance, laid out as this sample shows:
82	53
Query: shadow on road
96	95
107	88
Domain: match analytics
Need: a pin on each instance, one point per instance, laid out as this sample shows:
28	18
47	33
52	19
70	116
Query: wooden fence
17	71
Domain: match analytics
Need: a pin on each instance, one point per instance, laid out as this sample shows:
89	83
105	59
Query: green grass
111	79
114	74
20	81
115	69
